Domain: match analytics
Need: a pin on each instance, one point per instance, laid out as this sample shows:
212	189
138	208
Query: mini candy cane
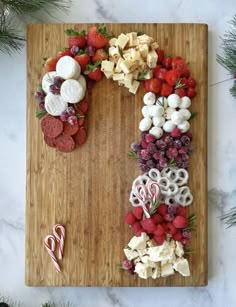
60	238
50	245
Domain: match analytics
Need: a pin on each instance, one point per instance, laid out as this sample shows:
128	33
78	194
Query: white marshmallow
177	118
72	91
68	68
158	121
146	111
174	101
185	102
184	126
55	104
47	80
145	124
156	131
156	111
168	112
149	98
168	126
186	113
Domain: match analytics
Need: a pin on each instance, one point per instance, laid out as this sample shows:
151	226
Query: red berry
138	212
76	39
162	209
130	218
144	144
100	55
180	65
159	230
177	236
183	150
168	217
185	73
172	76
181	211
181	92
60	54
160	73
171	228
96	74
159	239
157	218
83	60
184	241
127	264
97	37
191	92
50	64
172	153
184	81
166	89
139	232
180	222
192	82
167	62
176	133
149	138
136	226
189	135
152	85
160	54
186	234
148	225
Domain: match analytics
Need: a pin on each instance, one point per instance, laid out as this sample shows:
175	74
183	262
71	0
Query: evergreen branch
229	218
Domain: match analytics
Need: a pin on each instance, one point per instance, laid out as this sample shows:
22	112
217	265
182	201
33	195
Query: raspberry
178	161
149	138
189	134
185	164
159	230
168	217
160	144
159	239
177	144
181	92
185	140
136	226
143	144
148	225
151	148
191	92
177	236
127	264
171	229
162	209
143	134
180	222
183	150
151	163
130	218
172	153
192	82
157	218
186	234
158	155
131	271
135	147
138	212
145	154
139	232
181	211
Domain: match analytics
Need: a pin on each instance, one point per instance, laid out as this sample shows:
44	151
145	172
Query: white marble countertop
221	166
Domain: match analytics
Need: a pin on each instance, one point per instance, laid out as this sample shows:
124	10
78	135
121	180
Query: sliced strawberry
100	55
172	76
50	64
167	62
166	89
153	85
76	39
83	60
97	37
161	55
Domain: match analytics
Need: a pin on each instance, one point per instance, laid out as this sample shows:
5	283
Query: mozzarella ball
48	80
145	124
168	126
146	111
185	102
162	101
149	98
72	91
174	101
185	113
156	111
156	131
158	121
55	104
68	68
168	112
184	126
176	118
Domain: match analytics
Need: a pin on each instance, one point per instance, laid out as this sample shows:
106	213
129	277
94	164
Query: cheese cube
152	59
151	243
181	265
134	87
128	80
179	251
117	77
138	242
144	50
142	252
112	41
146	260
156	273
122	40
125	66
114	53
118	68
133	65
145	39
135	54
167	270
143	271
108	74
132	39
149	74
107	66
135	74
130	254
136	260
154	45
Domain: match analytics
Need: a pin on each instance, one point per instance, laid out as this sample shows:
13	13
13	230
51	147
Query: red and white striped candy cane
50	245
60	238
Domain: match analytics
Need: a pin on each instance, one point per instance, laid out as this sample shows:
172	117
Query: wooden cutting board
88	189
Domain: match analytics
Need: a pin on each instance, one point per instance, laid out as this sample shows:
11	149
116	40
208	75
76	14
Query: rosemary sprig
161	103
79	115
154	206
142	75
229	218
188	251
132	154
171	163
121	52
193	114
40	114
179	84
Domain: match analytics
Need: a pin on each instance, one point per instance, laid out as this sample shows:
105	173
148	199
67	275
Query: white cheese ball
145	124
157	132
184	126
55	104
48	80
168	112
162	101
156	110
176	118
72	91
173	101
146	111
168	126
149	98
158	121
185	113
185	102
68	68
83	83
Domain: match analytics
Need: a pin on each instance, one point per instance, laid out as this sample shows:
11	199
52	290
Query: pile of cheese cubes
156	261
129	55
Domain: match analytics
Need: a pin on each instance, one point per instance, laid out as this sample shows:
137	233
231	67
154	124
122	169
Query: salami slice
65	143
81	121
80	137
50	141
69	129
85	125
51	126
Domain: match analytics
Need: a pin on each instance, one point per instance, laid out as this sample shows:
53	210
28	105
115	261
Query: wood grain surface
88	189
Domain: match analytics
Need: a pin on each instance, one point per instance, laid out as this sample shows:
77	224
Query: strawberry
159	239
192	82
160	55
180	222
100	55
130	218
159	230
162	209
160	73
167	62
177	236
136	226
138	212
148	225
97	37
60	54
94	71
83	59
181	211
155	70
180	65
157	219
181	92
171	229
191	92
152	85
76	39
50	64
172	76
184	81
185	73
176	133
166	89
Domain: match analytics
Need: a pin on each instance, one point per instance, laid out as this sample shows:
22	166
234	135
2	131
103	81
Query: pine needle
229	218
132	155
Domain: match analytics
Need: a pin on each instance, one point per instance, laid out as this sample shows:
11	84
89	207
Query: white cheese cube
118	68
181	265
117	77
122	40
128	80
145	39
138	242
156	272
134	87
125	66
121	82
112	41
135	54
108	74
107	66
135	74
154	45
152	59
142	252
130	254
143	271
146	260
114	53
144	50
167	270
179	251
132	39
